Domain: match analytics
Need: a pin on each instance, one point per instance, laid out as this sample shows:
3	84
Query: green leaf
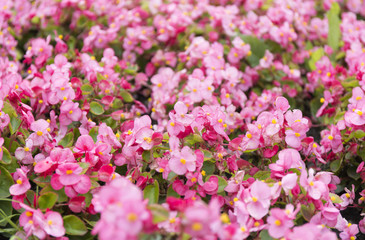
5	182
131	70
146	156
315	57
8	210
68	140
359	134
193	139
351	172
335	165
127	97
159	213
96	108
207	154
94	133
264	235
335	198
117	103
307	211
6	156
14	124
87	89
74	225
334	31
171	192
262	175
42	181
208	167
339	116
8	109
62	197
152	192
258	48
350	84
47	200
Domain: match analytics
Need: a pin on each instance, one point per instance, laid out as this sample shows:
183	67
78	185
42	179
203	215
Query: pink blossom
258	200
69	173
22	184
183	161
279	222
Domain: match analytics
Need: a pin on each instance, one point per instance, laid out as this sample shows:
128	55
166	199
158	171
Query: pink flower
144	138
70	112
183	161
54	224
288	158
69	173
181	115
40	128
314	187
197	222
332	139
123	211
295	135
279	223
22	184
106	135
310	231
84	144
258	200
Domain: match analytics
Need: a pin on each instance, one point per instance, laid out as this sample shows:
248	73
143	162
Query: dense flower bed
209	119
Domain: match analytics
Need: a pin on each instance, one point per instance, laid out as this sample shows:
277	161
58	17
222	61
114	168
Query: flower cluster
211	119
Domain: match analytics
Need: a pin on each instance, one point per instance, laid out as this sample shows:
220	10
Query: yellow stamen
196	226
132	217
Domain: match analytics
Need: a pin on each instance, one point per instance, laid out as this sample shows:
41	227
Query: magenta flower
183	161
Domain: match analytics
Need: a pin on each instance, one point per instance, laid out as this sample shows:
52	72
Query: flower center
39	133
132	217
183	161
196	226
277	222
68	172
